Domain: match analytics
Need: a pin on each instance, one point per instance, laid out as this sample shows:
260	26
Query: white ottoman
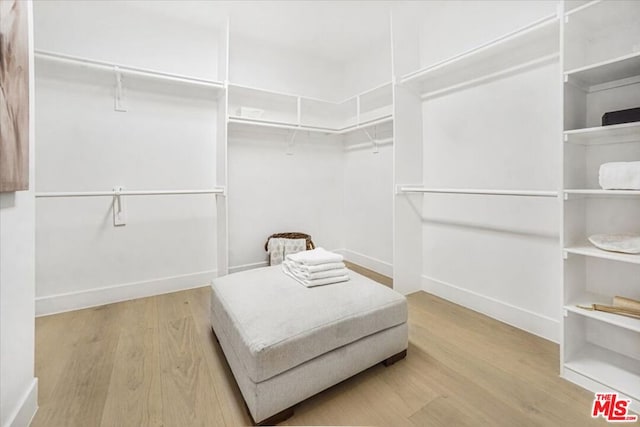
285	342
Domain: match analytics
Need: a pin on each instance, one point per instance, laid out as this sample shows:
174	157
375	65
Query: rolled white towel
315	257
620	176
315	282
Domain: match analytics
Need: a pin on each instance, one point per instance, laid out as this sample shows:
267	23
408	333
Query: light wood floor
154	362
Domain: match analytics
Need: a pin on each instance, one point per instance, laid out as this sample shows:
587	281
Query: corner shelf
532	43
591	251
599	135
243	121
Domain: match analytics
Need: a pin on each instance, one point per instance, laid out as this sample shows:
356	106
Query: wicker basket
292	235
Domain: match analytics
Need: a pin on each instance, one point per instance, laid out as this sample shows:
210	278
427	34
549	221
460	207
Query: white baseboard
251	266
379	266
529	321
51	304
27	408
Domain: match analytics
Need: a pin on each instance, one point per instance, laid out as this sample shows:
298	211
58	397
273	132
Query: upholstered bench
285	342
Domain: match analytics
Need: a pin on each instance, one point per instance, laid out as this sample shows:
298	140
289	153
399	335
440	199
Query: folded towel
315	257
308	275
310	269
620	176
315	282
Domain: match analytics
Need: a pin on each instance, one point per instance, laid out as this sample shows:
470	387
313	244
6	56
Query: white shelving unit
265	108
522	48
132	74
599	351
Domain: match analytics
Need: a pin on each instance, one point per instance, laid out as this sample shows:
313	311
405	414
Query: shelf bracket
565	255
119	214
291	144
373	140
119	104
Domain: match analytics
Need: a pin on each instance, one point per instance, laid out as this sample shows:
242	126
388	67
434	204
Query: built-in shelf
607	367
523	47
242	121
599	193
615	134
283	110
587	299
606	71
575	6
129	70
476	191
591	251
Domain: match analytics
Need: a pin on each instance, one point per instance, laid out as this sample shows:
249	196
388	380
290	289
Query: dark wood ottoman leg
393	359
277	418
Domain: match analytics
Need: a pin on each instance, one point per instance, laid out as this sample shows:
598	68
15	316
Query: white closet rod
113	193
524	193
127	69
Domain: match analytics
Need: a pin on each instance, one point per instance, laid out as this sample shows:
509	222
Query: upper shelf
243	121
538	41
251	106
599	135
130	70
611	70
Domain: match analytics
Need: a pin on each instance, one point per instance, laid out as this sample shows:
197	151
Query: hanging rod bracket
118	100
292	143
373	140
119	213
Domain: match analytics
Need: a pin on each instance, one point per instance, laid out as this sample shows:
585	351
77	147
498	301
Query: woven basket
292	235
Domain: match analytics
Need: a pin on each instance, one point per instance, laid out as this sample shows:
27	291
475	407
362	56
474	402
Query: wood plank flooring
154	362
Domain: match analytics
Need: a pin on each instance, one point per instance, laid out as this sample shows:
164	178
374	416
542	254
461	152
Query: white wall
255	63
272	192
166	140
368	208
497	255
18	387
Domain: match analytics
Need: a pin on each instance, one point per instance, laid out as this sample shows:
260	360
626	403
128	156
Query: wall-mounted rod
113	193
60	57
482	192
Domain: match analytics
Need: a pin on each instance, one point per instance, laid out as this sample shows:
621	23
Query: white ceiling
335	30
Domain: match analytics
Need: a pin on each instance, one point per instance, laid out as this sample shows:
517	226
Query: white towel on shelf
620	176
315	257
299	271
315	282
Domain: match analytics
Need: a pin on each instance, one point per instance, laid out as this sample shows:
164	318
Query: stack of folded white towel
316	267
620	176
